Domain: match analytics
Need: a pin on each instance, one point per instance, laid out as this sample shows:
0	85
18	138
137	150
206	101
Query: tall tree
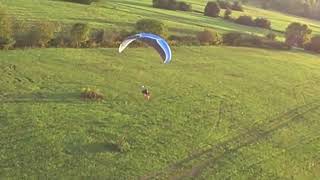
297	34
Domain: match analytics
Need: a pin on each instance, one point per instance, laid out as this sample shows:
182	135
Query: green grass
215	112
255	111
123	14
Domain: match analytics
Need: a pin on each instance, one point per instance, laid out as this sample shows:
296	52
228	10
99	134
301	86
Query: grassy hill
123	14
260	108
215	112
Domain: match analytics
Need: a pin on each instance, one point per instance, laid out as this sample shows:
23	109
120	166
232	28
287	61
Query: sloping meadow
212	101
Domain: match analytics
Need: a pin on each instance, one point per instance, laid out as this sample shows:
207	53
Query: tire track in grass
307	138
183	168
252	137
305	141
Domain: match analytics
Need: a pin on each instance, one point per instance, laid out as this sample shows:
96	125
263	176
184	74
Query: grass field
215	112
115	14
251	116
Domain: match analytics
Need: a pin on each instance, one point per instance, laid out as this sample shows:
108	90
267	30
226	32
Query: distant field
252	113
123	14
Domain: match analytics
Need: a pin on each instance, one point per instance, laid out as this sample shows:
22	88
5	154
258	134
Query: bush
82	1
272	44
22	36
224	4
183	6
313	45
212	9
152	26
62	39
79	34
100	37
122	144
241	39
271	36
183	40
39	34
163	4
262	23
245	20
207	37
297	34
249	41
258	22
172	5
227	13
6	43
6	30
43	33
237	6
107	38
231	38
91	94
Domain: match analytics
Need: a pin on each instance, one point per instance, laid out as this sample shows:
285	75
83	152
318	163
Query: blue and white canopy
158	43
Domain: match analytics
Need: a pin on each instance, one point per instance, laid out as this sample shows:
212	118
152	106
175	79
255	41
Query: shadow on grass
135	3
100	148
41	98
93	148
103	21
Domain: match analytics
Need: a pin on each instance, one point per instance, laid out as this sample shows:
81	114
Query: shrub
6	30
32	38
42	33
313	45
163	4
231	38
224	4
79	34
91	94
212	9
227	13
82	1
152	26
21	36
172	5
183	40
245	20
271	36
237	6
272	44
183	6
27	35
247	40
107	38
262	23
62	39
6	43
297	34
122	144
207	37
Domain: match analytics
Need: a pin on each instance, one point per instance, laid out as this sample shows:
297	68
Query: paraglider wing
126	42
158	43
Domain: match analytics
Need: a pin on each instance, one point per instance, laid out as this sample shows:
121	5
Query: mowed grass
122	14
215	112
